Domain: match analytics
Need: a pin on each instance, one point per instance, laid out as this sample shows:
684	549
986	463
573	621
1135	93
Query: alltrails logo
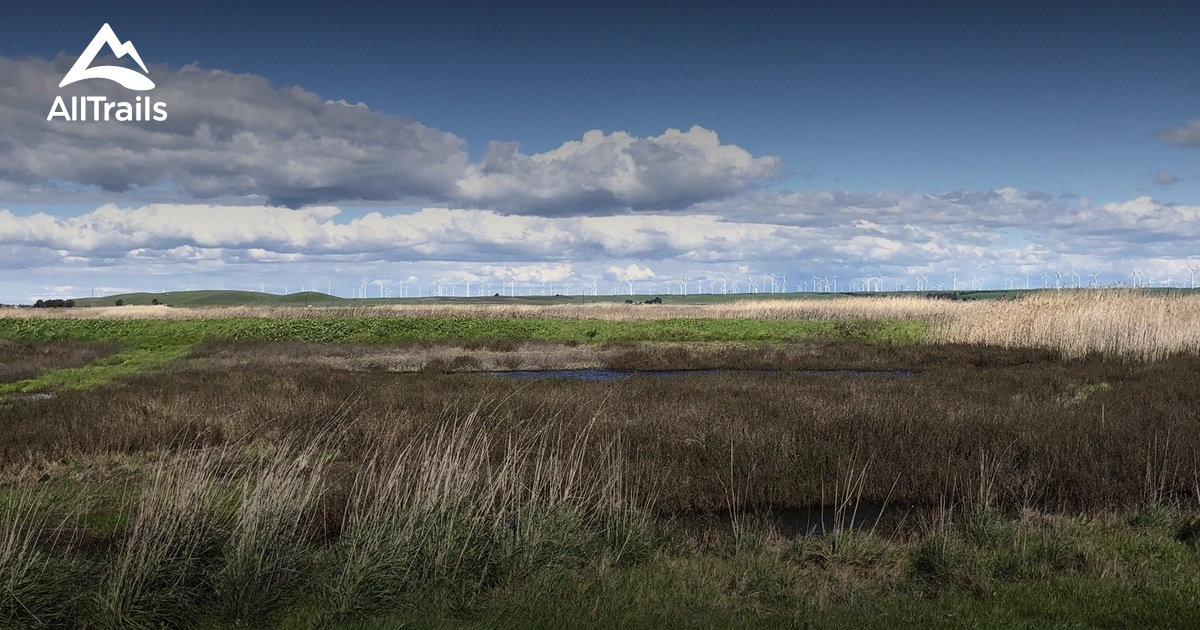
99	107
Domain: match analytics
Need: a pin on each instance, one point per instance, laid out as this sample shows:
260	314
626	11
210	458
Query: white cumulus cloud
604	172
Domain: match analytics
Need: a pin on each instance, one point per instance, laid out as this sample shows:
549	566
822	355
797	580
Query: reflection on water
613	375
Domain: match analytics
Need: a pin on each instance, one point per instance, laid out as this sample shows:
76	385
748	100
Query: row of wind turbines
724	284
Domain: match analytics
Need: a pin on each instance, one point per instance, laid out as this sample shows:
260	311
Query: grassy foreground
1011	487
272	474
470	523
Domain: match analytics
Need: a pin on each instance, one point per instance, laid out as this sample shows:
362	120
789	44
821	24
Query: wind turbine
1096	281
954	281
1075	277
1192	274
725	278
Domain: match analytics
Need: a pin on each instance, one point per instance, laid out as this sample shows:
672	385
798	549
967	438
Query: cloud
1186	136
230	136
893	234
602	173
556	272
629	274
1165	179
226	135
825	228
965	209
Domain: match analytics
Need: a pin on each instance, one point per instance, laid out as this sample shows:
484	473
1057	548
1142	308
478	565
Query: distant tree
70	304
120	302
155	302
39	304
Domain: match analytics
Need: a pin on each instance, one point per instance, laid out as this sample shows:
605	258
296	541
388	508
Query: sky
602	146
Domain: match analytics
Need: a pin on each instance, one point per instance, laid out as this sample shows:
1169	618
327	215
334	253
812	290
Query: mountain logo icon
130	79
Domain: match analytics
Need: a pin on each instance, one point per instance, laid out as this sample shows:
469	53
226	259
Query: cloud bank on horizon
245	180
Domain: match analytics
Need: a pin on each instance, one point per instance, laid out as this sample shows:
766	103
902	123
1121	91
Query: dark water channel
615	375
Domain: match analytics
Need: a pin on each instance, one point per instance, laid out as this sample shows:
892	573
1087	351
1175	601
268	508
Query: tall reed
266	561
469	505
1078	323
37	586
156	577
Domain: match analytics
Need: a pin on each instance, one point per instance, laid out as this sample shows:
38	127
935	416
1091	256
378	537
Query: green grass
787	584
255	562
105	370
383	330
152	343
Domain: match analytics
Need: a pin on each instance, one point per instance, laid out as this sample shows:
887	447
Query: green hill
219	298
313	298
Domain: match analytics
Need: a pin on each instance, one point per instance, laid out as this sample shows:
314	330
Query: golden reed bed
1114	322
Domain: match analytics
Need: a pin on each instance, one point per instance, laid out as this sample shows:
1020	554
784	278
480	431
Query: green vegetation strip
153	343
171	333
127	363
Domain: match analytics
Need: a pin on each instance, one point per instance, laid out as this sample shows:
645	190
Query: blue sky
1002	139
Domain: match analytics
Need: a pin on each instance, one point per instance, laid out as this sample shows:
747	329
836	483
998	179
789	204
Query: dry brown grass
1003	427
25	360
496	356
1078	323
